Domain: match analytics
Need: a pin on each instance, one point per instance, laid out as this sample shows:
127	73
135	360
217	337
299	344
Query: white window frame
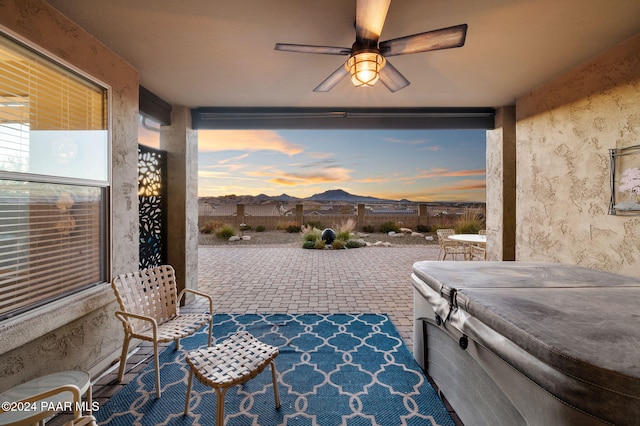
32	324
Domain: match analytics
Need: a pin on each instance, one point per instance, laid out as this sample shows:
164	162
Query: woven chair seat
180	326
235	360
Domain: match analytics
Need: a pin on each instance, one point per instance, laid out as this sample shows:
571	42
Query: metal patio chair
149	310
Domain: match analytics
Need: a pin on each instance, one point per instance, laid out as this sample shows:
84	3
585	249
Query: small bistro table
38	412
469	238
471	241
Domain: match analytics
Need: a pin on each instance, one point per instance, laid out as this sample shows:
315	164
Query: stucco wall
79	332
564	131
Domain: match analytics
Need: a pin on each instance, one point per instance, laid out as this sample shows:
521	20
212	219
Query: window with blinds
54	162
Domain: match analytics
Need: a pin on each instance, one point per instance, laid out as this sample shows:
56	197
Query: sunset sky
420	165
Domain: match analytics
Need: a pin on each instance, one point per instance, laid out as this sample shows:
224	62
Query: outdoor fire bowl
328	235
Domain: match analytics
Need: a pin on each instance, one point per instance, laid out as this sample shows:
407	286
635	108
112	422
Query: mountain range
332	195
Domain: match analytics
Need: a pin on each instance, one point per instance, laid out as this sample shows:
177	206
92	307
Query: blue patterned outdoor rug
333	369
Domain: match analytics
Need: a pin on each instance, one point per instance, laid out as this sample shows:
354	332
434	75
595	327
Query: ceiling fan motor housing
365	63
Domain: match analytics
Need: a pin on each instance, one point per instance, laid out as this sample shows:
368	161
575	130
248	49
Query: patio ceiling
215	53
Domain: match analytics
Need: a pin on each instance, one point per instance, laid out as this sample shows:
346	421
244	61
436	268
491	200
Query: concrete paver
292	280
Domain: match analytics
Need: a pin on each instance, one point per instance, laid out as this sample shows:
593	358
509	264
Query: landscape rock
429	238
406	230
417	234
386	244
234	238
246	237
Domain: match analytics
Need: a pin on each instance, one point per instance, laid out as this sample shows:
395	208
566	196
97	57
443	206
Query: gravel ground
286	239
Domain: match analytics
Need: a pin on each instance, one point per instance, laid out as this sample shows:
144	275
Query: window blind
51	242
53	180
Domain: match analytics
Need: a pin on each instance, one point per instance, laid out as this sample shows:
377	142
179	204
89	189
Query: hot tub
530	343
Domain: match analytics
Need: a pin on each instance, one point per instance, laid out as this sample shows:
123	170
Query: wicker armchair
450	247
478	251
149	310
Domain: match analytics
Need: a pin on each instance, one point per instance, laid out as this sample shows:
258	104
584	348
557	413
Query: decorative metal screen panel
152	198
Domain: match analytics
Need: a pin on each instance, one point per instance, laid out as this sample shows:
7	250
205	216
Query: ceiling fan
367	58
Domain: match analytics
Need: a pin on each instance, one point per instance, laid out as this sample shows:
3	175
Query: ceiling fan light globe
365	67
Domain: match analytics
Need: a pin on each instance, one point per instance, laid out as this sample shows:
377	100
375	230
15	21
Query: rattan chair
236	360
477	252
450	247
149	310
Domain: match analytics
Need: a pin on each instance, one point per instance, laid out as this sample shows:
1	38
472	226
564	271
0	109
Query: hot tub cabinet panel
530	343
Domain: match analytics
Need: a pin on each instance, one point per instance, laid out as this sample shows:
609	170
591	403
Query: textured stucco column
181	143
501	186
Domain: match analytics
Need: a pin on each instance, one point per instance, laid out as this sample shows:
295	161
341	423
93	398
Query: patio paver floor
292	280
274	279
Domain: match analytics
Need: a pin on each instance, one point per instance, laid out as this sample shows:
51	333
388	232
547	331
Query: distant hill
333	195
340	195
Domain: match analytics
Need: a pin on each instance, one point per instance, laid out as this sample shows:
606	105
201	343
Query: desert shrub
337	244
320	244
389	226
423	228
292	229
260	228
282	226
290	226
353	244
346	226
245	227
225	232
312	235
468	223
309	245
343	235
314	224
369	229
211	227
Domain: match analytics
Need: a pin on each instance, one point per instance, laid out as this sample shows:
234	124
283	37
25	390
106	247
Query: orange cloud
245	140
374	180
326	175
237	158
435	173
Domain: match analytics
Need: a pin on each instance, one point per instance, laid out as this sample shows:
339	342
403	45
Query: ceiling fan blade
304	48
330	82
392	78
444	38
370	16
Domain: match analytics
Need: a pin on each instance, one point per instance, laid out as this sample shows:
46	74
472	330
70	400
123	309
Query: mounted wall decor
625	181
